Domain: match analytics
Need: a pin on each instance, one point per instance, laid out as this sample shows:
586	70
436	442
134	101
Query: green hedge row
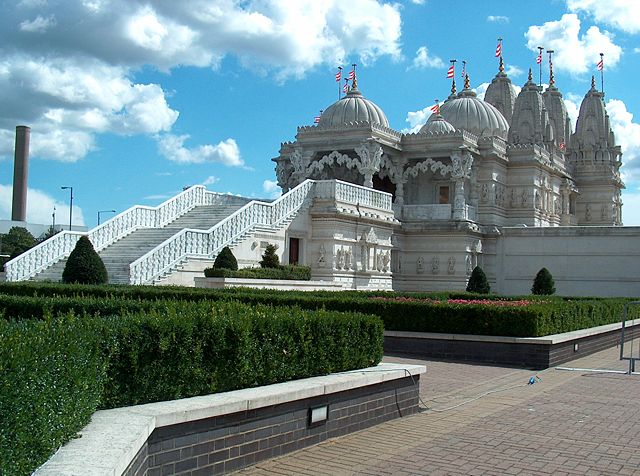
54	372
287	272
51	380
544	316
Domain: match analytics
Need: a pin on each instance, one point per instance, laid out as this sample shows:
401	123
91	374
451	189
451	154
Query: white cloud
481	90
621	14
39	24
423	60
226	152
497	19
631	207
65	84
575	53
417	2
210	180
270	187
513	70
572	103
40	208
417	119
627	135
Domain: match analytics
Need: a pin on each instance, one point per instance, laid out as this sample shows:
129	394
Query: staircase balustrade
47	253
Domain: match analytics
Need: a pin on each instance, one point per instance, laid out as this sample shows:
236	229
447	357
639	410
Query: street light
104	211
70	203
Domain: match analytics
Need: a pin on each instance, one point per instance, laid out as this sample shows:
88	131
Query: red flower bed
482	302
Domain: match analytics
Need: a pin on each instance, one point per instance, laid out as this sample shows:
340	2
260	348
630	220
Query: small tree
226	260
84	265
51	231
543	283
17	241
270	258
478	282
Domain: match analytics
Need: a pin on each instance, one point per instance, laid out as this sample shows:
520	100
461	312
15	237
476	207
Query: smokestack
20	174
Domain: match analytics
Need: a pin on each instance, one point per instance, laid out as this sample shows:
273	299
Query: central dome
354	107
468	112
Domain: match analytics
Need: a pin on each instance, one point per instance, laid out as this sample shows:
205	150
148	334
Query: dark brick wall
534	356
229	442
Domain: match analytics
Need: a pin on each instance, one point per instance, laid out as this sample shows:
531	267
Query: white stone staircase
146	245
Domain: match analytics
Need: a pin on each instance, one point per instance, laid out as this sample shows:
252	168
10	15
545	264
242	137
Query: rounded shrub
270	258
543	283
478	282
225	260
84	265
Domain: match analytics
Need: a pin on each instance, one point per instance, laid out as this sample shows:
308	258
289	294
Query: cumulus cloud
513	70
627	135
226	152
631	207
67	71
621	14
575	53
210	180
417	119
39	24
40	207
497	19
271	188
423	60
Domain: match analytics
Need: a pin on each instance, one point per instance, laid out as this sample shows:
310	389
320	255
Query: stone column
370	154
459	202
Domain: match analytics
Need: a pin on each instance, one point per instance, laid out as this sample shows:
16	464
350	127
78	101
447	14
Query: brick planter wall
226	443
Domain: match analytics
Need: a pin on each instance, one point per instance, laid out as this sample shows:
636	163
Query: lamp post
104	211
70	203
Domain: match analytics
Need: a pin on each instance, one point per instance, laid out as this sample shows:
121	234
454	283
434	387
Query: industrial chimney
20	174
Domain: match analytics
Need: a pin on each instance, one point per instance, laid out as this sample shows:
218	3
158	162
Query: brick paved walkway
569	423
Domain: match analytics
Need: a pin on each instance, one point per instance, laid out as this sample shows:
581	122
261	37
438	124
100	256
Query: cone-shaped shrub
270	258
84	266
543	283
478	282
226	260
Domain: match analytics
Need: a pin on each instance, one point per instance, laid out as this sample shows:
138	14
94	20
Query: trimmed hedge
55	371
287	272
51	380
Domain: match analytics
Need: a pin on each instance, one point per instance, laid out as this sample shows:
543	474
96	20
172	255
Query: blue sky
130	101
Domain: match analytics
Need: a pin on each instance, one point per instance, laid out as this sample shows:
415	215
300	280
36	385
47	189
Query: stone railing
40	257
353	194
208	243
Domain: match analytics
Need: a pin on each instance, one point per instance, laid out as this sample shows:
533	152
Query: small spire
354	85
530	75
552	80
593	82
501	67
453	87
466	82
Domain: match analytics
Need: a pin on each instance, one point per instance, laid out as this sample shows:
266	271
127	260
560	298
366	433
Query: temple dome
354	107
468	112
437	126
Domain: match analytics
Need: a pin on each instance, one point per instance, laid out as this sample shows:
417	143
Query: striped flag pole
551	78
539	61
601	68
339	80
499	48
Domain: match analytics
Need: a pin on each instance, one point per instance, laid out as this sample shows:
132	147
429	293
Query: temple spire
466	82
501	67
530	78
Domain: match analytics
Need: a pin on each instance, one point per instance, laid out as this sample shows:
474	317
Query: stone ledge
544	340
113	438
280	284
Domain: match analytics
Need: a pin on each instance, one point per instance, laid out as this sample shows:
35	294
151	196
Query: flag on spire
316	120
539	58
601	64
345	88
499	48
352	73
339	74
464	69
450	72
435	108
